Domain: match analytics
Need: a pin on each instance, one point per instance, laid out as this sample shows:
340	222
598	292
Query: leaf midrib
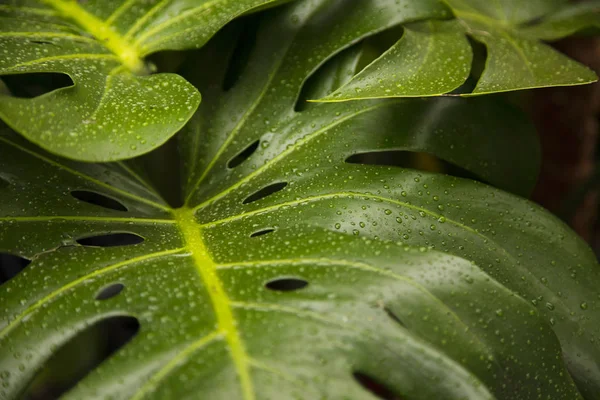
127	52
207	270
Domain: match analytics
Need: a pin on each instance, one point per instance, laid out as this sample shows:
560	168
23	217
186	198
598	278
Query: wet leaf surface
349	281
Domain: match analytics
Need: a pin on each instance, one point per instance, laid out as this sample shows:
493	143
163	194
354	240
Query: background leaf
516	58
572	19
431	59
111	111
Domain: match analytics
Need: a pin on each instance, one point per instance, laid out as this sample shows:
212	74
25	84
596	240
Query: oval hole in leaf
394	317
286	284
243	155
80	355
110	291
98	199
262	232
35	84
11	265
42	42
111	240
411	159
266	191
375	387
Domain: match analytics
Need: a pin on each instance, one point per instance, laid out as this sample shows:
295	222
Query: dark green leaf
572	19
431	59
437	59
437	287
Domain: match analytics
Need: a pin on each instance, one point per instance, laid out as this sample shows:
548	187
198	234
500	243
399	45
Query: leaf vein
86	177
301	142
70	285
174	362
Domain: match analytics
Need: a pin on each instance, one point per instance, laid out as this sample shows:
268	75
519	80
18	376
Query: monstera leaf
294	270
433	58
114	109
573	19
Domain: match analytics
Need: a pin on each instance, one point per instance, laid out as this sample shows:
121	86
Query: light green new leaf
437	58
114	110
437	287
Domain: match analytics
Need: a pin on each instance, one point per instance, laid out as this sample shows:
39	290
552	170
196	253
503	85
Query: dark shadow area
98	199
80	356
10	266
242	52
35	84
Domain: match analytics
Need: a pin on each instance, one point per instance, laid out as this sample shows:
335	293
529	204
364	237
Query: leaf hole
394	317
98	199
111	240
262	232
286	284
35	84
264	192
81	355
243	155
375	387
110	291
42	42
11	265
3	183
410	159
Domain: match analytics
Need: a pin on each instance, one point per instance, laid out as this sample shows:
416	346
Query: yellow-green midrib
127	52
207	270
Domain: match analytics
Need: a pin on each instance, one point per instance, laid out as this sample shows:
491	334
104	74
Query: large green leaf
573	19
435	58
437	287
114	110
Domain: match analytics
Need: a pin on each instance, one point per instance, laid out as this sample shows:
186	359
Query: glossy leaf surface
434	286
114	109
438	59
